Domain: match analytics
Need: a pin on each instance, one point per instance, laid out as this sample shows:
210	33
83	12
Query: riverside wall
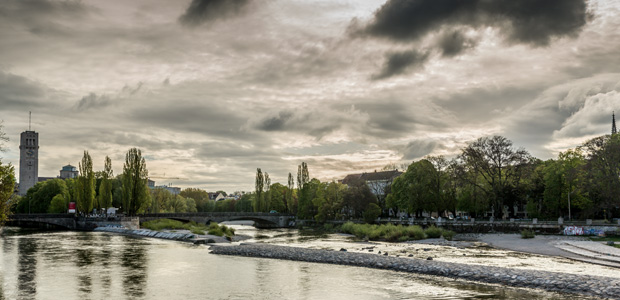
604	287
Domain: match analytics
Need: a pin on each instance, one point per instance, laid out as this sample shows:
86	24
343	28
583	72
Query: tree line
489	177
92	190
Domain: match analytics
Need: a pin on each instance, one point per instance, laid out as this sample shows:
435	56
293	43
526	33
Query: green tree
304	197
136	197
603	172
329	201
7	182
200	196
7	188
357	198
105	187
58	205
372	212
259	187
39	197
267	193
291	206
497	168
277	198
86	184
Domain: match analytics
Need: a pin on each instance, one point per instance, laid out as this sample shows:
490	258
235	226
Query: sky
210	90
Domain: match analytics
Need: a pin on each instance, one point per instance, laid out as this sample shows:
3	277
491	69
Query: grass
193	227
527	234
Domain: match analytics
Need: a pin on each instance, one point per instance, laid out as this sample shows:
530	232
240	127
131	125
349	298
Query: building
69	171
378	182
28	160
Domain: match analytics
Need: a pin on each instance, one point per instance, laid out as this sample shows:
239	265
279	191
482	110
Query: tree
39	197
305	206
86	185
58	205
416	190
291	207
7	182
497	168
200	196
357	198
136	195
105	187
7	188
267	194
259	186
329	201
603	171
277	198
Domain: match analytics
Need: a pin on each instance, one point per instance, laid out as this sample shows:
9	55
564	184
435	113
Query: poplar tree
259	185
136	196
86	184
289	194
105	187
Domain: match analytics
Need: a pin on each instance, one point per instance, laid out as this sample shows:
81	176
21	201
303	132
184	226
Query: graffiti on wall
576	230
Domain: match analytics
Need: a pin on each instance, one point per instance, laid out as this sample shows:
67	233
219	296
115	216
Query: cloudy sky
210	90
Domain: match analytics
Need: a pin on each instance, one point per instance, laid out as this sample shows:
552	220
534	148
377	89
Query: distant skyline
210	90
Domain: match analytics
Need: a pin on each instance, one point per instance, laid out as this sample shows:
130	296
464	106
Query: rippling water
95	265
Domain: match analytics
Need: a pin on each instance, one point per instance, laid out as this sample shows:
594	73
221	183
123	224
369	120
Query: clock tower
28	161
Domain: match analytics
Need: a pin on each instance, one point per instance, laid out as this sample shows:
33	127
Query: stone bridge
70	221
261	220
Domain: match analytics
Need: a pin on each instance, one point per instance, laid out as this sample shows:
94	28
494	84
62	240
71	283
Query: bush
388	232
433	232
527	234
448	234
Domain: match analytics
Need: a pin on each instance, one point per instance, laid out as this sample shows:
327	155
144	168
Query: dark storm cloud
92	100
418	149
526	21
454	42
20	93
41	16
399	62
532	22
275	123
205	11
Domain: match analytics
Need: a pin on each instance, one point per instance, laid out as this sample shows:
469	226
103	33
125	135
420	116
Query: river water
98	265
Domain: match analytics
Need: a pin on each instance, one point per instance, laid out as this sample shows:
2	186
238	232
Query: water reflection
72	265
27	267
134	262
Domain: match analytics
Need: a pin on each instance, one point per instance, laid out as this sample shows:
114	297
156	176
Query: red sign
71	207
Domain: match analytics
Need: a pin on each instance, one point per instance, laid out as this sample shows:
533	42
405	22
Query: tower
613	123
28	160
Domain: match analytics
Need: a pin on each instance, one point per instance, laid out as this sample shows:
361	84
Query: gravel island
604	287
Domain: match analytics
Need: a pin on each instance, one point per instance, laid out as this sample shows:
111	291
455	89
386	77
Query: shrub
448	234
387	232
527	234
415	232
433	232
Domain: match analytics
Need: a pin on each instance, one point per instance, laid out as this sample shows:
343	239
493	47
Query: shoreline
598	286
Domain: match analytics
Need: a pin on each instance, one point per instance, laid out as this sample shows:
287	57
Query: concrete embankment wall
604	287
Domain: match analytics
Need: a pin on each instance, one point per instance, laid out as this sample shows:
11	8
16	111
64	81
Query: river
97	265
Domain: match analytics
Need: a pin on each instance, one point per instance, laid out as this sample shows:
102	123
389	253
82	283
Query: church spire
613	123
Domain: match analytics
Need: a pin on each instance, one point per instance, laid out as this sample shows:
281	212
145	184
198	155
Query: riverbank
597	286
